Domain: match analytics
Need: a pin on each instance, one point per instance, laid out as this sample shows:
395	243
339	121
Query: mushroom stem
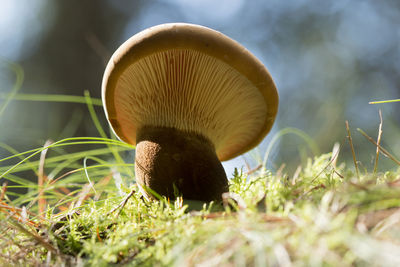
174	163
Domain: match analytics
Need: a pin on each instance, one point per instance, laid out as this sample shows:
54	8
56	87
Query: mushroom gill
190	91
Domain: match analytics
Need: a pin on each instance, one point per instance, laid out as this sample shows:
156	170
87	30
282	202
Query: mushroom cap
194	79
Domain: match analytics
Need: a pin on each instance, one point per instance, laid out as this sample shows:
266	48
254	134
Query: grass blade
51	98
384	101
19	79
310	142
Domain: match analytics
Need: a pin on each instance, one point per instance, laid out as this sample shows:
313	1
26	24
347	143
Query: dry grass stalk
19	214
42	178
38	238
352	149
378	141
296	174
123	203
384	151
3	190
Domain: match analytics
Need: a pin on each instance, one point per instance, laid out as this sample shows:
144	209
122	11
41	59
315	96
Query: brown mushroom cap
194	79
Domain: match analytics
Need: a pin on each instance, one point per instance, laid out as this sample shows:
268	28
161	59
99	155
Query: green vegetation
321	215
59	207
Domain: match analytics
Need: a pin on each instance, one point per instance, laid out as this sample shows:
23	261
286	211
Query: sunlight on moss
324	217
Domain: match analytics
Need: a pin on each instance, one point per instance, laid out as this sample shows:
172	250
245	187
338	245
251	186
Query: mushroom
188	97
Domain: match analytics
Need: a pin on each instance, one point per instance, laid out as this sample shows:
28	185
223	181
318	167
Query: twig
333	159
337	173
38	238
384	151
378	141
250	171
352	148
123	203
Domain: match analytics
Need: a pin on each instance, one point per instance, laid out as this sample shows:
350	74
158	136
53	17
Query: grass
323	214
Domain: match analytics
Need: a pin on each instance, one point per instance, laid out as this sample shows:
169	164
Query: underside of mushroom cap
193	79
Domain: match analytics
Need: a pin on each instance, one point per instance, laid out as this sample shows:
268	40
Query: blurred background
328	59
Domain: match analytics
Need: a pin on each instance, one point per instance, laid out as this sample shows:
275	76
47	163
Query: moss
324	217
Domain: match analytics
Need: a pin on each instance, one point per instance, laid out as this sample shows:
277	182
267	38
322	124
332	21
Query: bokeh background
328	59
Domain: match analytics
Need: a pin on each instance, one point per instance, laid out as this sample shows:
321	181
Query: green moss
325	217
